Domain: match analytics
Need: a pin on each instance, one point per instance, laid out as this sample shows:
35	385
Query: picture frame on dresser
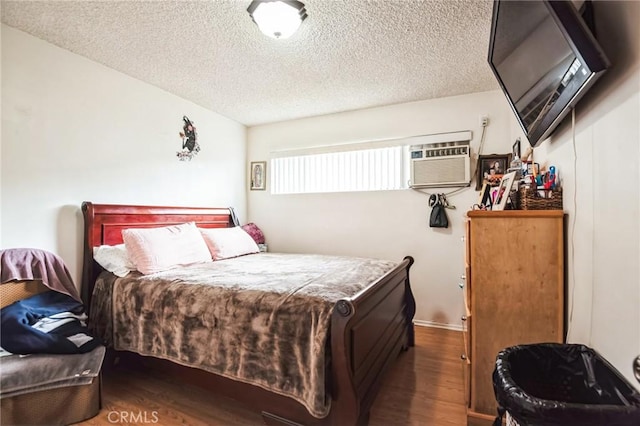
503	190
484	198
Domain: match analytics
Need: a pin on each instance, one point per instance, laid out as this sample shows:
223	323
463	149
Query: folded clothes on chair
48	322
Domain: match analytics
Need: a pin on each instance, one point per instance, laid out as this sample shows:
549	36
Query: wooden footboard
368	330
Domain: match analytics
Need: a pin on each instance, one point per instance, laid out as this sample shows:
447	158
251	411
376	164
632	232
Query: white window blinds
375	169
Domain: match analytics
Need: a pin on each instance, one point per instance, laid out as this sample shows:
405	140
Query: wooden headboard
103	225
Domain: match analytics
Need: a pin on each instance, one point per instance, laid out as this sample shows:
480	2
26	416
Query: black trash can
553	384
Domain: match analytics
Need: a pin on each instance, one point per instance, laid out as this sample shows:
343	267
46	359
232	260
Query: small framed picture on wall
258	176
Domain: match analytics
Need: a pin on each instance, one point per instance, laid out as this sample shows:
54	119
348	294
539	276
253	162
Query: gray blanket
262	319
33	373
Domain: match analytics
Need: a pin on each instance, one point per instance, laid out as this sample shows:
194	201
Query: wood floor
425	388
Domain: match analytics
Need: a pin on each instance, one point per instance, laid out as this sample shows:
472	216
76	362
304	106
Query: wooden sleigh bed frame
368	330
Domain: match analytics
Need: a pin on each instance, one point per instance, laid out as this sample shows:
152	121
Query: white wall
387	224
602	195
74	130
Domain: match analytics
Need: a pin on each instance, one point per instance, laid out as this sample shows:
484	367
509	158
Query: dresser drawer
466	358
466	377
466	337
466	289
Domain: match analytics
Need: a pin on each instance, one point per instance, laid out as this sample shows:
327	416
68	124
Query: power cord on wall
484	127
573	225
593	244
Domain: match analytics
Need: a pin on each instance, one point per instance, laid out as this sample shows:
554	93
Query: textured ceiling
348	54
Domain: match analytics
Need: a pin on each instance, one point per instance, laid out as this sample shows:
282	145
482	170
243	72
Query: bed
366	330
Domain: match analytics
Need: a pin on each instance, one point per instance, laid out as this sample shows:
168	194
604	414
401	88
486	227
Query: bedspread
262	319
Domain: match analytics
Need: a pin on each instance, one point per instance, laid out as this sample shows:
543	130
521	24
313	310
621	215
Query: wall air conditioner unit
441	164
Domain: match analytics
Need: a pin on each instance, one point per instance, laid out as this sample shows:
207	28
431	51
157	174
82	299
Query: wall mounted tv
545	58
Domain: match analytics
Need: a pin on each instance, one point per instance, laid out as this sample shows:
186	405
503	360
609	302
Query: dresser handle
461	285
463	318
463	357
463	277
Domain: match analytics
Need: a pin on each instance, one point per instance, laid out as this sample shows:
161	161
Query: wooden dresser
514	293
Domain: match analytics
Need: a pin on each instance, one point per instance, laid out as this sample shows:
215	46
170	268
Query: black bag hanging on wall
438	218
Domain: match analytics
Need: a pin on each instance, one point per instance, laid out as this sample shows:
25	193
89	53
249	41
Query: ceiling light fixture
277	18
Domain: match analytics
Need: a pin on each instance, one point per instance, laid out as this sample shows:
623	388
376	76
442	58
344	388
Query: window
376	169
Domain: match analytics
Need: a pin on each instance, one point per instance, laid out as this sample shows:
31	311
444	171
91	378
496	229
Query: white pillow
225	243
114	259
158	249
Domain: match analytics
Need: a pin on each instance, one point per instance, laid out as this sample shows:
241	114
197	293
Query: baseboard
453	327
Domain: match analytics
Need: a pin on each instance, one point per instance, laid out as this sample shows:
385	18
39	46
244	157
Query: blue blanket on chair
48	322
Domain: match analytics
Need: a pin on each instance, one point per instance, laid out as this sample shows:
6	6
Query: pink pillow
225	243
255	232
158	249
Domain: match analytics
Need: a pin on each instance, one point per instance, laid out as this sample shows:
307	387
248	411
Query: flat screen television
545	58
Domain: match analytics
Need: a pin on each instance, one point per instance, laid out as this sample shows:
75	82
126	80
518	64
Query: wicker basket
540	199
